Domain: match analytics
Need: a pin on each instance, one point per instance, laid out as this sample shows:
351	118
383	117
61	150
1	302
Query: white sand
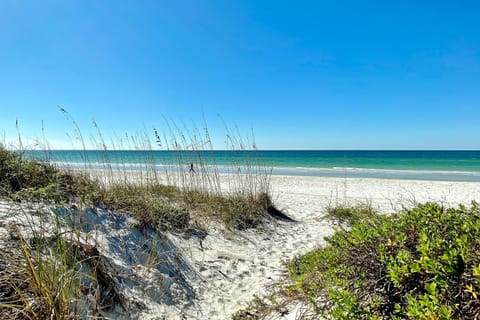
222	271
233	268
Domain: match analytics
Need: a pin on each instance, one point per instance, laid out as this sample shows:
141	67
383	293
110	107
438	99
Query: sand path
233	267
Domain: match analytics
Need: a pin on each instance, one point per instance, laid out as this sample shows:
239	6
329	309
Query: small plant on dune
154	205
347	216
263	307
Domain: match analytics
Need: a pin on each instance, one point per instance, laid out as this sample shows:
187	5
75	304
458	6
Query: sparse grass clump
262	307
52	275
347	216
421	264
39	280
153	205
235	211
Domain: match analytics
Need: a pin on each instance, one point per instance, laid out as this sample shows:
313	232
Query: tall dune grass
237	194
47	278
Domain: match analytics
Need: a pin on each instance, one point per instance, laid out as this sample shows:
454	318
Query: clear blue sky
302	74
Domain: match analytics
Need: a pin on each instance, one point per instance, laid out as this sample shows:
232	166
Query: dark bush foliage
422	264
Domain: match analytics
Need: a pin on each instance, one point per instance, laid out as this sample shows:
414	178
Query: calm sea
425	165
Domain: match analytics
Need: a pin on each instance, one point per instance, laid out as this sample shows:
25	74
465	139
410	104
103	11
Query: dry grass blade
36	284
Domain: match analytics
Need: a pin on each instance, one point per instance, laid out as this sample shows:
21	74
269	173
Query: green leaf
431	288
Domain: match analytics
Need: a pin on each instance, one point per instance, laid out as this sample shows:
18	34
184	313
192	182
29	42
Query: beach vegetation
423	263
39	279
189	189
160	205
171	208
24	179
56	275
52	274
347	216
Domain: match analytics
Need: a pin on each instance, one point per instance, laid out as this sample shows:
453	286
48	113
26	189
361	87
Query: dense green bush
421	264
24	179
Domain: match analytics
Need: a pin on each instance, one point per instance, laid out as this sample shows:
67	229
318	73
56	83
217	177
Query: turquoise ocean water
423	165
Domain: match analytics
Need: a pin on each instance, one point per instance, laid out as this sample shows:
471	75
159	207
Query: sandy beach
231	268
219	273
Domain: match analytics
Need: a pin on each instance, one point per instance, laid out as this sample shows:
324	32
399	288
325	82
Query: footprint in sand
244	274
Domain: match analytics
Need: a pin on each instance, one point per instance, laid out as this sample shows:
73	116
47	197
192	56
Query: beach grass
40	277
51	274
48	272
189	187
29	180
347	216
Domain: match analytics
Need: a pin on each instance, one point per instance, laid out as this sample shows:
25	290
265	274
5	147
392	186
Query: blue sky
301	74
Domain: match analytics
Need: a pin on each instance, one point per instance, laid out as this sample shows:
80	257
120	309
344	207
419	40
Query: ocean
419	165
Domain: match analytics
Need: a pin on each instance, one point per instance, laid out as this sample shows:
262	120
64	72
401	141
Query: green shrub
23	179
422	264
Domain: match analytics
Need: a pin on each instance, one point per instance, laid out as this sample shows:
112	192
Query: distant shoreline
434	165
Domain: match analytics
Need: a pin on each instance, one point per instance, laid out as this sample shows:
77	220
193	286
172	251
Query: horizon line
252	150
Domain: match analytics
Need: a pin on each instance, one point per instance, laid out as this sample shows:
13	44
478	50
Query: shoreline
336	172
441	165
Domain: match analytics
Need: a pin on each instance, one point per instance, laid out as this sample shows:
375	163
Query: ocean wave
376	170
161	167
341	172
413	171
380	173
